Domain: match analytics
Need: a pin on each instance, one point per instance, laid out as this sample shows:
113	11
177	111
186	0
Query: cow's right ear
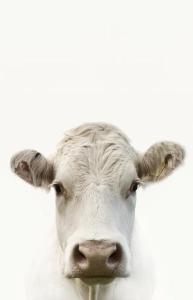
33	167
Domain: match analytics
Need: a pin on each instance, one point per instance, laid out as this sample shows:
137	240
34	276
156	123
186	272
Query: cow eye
134	186
58	188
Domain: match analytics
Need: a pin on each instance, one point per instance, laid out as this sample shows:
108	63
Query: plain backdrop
129	63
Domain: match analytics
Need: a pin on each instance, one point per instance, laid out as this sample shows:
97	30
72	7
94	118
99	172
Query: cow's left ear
159	161
33	167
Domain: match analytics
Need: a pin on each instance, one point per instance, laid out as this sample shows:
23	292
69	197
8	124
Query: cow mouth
94	279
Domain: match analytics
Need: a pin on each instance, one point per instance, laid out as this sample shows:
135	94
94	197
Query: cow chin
97	280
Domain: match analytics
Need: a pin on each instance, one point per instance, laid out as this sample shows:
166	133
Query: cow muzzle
96	259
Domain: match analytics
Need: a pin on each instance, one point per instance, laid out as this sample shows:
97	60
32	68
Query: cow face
96	173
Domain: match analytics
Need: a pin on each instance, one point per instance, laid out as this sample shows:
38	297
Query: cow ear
159	161
32	167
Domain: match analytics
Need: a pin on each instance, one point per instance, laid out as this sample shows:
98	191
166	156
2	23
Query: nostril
115	257
79	257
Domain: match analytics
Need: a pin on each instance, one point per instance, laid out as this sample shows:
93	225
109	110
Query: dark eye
134	186
58	188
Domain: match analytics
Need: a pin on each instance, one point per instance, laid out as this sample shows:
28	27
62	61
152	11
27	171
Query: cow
96	250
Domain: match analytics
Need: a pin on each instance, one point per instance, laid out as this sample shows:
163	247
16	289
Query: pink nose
97	258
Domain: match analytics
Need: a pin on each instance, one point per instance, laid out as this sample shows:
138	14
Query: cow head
96	173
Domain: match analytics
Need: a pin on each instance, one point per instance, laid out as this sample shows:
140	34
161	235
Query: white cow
96	252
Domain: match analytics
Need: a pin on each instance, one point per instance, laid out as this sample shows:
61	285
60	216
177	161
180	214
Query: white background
129	63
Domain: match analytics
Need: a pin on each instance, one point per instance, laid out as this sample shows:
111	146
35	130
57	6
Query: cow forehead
91	134
95	152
